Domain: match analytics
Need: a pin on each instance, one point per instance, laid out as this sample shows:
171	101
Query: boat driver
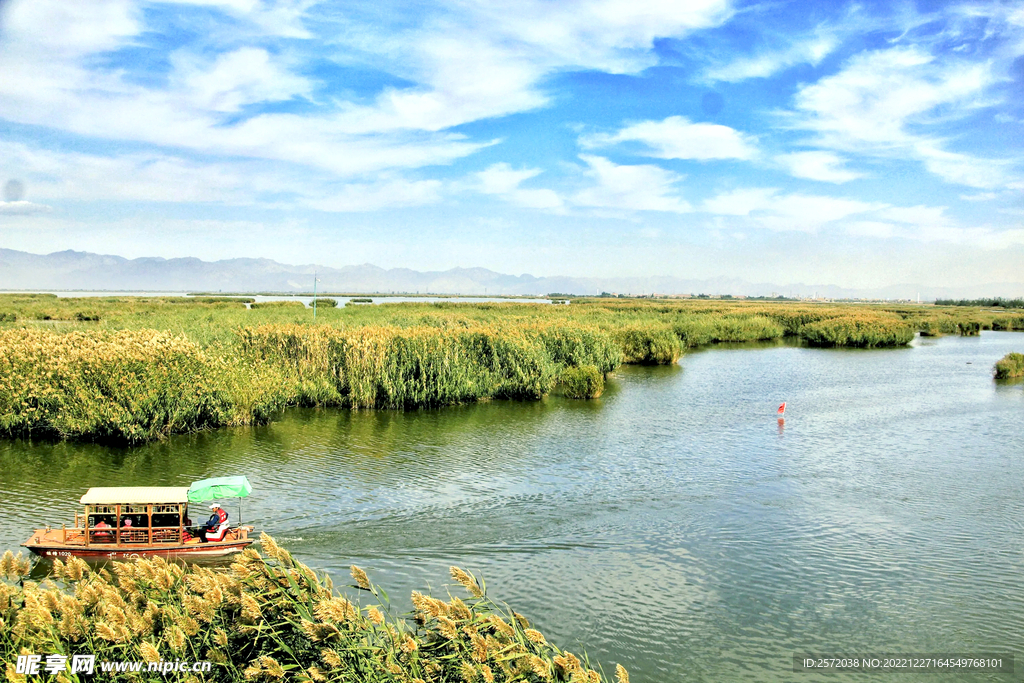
217	526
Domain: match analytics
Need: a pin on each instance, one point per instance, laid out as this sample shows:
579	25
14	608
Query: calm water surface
672	525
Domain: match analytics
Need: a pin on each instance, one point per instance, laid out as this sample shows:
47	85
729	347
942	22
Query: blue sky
858	144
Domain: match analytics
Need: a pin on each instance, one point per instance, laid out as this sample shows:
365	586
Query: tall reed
271	618
129	386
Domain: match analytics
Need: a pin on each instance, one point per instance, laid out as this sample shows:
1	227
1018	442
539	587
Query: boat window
137	520
165	519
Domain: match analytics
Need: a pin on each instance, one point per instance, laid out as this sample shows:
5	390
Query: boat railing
129	524
132	525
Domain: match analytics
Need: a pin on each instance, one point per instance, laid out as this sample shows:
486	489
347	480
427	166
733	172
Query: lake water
673	525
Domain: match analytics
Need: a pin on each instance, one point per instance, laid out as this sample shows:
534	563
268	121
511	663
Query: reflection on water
668	525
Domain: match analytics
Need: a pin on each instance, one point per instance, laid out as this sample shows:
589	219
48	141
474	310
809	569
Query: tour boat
144	521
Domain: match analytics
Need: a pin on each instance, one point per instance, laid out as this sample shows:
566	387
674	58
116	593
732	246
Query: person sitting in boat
217	526
102	533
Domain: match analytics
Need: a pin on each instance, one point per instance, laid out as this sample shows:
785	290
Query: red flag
782	408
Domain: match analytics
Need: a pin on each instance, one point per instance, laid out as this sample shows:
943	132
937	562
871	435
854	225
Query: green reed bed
583	382
271	618
648	345
392	367
1010	366
129	386
712	328
189	364
860	331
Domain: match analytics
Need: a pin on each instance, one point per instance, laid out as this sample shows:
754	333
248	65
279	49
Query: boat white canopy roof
137	495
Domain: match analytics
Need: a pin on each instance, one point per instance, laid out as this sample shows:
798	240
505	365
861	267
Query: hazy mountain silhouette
86	271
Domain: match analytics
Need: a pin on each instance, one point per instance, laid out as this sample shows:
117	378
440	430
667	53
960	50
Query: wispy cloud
22	208
49	81
630	187
817	165
768	208
876	97
677	138
503	181
480	60
379	195
154	177
883	101
964	169
234	79
807	50
281	18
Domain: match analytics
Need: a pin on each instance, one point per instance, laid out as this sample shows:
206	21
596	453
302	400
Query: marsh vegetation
1010	366
133	369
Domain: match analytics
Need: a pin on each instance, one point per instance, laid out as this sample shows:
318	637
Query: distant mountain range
77	270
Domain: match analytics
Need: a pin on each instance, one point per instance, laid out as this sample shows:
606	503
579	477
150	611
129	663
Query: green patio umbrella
220	487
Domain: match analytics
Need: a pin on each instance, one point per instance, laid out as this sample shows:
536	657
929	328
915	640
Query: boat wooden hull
98	551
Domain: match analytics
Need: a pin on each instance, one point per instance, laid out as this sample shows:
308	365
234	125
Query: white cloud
677	138
630	188
486	59
469	61
282	18
879	100
235	79
978	237
503	181
768	208
56	30
22	208
132	177
51	84
390	194
740	202
964	169
609	35
979	196
818	165
58	176
878	94
878	229
808	51
916	215
786	212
